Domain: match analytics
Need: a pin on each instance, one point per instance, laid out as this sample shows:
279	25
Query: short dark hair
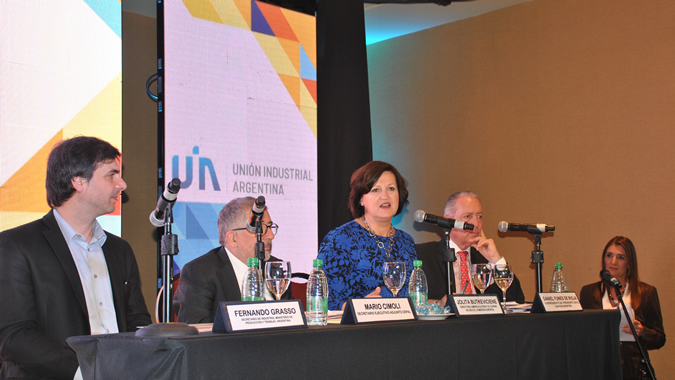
364	179
75	157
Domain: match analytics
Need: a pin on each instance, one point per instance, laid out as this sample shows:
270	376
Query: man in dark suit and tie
63	275
471	247
217	275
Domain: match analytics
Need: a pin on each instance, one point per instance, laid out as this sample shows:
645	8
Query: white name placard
254	316
478	304
556	302
368	310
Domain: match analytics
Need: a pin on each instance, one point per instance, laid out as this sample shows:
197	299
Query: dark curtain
344	140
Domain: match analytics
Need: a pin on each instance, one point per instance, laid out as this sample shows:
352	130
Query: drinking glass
278	277
482	276
503	275
394	276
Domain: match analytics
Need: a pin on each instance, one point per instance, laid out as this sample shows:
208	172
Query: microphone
608	277
165	201
256	213
536	228
421	216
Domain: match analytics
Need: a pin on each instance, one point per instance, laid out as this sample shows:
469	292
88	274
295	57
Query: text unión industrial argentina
254	170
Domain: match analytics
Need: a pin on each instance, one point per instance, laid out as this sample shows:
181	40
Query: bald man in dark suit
471	247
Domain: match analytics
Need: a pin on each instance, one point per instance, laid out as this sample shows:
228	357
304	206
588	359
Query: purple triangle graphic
258	22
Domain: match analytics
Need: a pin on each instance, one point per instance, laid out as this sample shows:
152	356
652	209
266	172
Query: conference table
570	345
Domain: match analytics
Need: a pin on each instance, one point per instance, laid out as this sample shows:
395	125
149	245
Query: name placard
258	316
476	304
370	310
556	302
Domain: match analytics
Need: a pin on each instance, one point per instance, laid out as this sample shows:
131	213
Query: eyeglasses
269	226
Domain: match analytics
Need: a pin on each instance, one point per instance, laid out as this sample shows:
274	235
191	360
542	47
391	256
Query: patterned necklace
380	244
612	301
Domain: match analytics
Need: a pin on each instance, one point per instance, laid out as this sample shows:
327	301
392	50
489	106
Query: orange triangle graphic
25	190
202	9
304	27
277	21
244	7
311	87
292	50
293	86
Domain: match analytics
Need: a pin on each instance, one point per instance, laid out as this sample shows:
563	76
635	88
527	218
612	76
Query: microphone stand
259	245
449	258
169	248
538	258
644	359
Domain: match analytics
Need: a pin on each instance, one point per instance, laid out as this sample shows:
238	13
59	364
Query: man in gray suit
217	276
63	275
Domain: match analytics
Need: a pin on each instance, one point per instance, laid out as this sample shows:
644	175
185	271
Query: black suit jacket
436	271
43	303
205	282
649	314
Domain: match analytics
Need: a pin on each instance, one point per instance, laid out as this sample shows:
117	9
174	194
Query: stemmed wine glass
278	277
503	275
482	276
394	276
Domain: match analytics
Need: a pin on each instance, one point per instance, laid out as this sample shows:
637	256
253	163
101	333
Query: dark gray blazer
205	282
436	271
43	303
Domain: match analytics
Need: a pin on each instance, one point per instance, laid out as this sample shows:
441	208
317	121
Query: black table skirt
576	345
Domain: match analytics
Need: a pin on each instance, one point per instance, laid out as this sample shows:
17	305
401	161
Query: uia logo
204	165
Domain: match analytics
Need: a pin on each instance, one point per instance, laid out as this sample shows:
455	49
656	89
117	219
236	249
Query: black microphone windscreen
259	205
608	277
174	186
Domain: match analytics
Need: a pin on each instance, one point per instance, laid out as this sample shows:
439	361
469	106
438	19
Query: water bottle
317	296
252	288
558	283
418	290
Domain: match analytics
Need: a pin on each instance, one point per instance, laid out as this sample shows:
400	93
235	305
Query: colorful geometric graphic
240	120
287	37
61	75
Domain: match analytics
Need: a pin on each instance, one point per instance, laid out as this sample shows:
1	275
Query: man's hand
486	247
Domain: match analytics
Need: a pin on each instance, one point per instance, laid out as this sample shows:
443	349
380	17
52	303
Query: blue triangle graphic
193	227
307	70
110	11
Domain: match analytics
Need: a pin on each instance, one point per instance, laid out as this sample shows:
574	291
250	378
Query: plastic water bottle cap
253	261
558	266
417	263
317	263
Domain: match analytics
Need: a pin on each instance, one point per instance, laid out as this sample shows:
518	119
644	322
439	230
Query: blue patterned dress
353	262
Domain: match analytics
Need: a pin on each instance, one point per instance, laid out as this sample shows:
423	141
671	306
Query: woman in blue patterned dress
353	254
